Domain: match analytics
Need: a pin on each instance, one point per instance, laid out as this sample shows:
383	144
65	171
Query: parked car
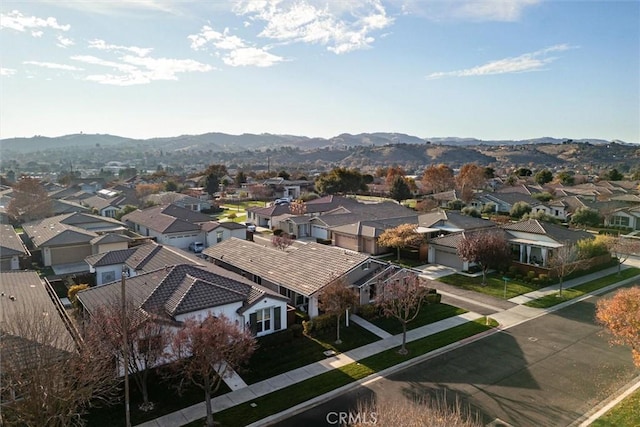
196	247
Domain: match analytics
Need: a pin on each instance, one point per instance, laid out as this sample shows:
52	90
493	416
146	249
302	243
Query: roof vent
12	298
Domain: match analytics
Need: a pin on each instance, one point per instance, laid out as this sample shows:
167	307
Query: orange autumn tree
620	316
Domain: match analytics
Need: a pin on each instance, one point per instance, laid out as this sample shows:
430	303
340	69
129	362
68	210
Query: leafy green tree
544	176
455	205
524	172
544	196
519	209
284	175
565	178
614	175
489	208
341	181
586	217
240	178
489	172
400	189
170	186
471	211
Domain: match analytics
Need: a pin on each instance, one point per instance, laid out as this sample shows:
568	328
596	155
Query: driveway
546	372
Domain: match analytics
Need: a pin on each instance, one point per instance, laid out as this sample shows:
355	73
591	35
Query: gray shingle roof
51	232
178	289
146	257
110	238
167	219
454	218
305	269
10	243
556	232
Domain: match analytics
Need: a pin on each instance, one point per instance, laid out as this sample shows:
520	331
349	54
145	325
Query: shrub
307	327
277	231
324	322
544	278
232	215
518	276
513	271
73	291
368	311
531	274
301	316
434	298
590	248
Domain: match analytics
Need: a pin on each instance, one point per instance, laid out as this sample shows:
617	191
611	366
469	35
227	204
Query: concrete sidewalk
507	313
253	391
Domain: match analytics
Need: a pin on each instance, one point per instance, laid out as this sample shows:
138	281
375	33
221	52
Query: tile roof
110	238
557	232
179	289
454	218
50	232
167	219
373	228
10	243
305	269
146	257
454	239
29	296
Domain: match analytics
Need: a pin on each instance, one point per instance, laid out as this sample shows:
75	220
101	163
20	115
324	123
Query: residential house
179	199
109	266
13	254
532	241
628	217
69	238
216	232
170	225
180	292
299	273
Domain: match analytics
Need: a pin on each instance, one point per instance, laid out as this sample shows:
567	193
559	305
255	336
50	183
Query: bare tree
30	201
209	350
488	249
148	337
400	237
48	378
401	297
282	241
335	299
298	207
564	261
421	411
621	247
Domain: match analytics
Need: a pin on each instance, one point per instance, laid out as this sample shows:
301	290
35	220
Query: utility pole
125	349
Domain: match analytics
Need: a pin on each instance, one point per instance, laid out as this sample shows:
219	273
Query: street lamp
125	347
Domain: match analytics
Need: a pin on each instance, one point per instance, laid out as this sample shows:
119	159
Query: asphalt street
548	371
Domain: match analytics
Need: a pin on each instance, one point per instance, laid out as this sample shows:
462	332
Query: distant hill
221	142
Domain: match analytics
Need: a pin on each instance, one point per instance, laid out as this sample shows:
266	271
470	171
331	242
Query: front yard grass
494	286
280	400
624	414
577	291
429	313
273	360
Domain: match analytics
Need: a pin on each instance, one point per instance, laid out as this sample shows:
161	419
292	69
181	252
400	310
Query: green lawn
161	392
300	392
577	291
624	414
429	313
494	286
277	359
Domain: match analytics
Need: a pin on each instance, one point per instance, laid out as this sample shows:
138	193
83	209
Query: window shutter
276	318
253	323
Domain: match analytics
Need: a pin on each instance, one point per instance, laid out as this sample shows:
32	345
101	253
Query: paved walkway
507	313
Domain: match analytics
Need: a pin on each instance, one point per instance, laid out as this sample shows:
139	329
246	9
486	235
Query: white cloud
37	34
340	26
237	52
468	10
17	21
102	45
53	65
135	70
7	71
534	61
250	56
64	41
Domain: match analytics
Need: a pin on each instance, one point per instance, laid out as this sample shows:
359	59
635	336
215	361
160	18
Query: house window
557	212
263	320
620	220
150	345
108	277
218	236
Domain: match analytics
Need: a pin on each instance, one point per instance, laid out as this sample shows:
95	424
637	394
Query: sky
488	69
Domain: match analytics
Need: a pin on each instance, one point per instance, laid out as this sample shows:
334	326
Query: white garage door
319	232
449	259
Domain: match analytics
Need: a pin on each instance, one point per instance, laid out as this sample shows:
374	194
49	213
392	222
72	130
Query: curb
301	407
